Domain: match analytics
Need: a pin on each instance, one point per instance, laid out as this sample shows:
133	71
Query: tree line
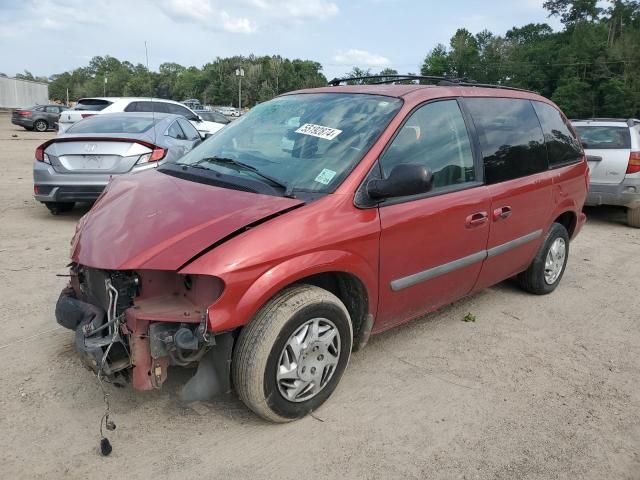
589	68
214	83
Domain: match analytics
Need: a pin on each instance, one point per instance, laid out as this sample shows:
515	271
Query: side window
146	106
188	129
51	109
179	110
435	136
562	145
176	132
510	138
132	107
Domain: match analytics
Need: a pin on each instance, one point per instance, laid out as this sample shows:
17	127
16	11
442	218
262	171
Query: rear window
606	138
92	104
562	145
116	124
510	138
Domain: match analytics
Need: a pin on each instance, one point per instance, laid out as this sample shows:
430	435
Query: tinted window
147	106
604	137
435	136
112	124
189	130
52	110
93	104
562	144
179	110
176	132
510	137
214	117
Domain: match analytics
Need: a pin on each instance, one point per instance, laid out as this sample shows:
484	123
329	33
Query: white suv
613	152
87	107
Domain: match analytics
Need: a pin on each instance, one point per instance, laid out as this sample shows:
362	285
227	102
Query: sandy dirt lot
536	388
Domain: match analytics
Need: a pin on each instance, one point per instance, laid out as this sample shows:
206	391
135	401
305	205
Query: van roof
426	91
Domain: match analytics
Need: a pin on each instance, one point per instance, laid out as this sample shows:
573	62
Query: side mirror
404	180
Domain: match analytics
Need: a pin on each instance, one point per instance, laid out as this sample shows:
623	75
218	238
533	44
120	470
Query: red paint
155	224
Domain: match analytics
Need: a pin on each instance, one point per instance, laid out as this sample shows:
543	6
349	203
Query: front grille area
93	285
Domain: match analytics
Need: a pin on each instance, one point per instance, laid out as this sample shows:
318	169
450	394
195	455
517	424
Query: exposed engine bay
131	326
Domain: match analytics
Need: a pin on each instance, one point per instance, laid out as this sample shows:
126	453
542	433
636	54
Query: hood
151	220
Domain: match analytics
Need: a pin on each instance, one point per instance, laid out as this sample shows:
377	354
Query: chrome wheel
40	126
308	360
554	262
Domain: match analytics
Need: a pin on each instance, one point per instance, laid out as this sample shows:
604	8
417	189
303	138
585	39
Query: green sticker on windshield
325	176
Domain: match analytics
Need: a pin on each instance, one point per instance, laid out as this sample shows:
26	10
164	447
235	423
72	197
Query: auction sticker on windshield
319	131
325	176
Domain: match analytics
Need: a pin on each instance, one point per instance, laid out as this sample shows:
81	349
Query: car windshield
308	142
113	124
603	137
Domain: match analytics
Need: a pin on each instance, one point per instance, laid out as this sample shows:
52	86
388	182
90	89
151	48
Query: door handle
502	212
476	219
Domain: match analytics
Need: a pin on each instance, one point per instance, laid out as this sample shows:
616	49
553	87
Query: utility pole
239	74
104	90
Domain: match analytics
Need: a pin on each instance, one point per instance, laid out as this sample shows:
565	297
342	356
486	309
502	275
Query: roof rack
631	122
440	81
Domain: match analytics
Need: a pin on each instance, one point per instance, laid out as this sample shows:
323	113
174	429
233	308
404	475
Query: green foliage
592	67
214	83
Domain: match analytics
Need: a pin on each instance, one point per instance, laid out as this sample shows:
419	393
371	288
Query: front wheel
546	270
291	356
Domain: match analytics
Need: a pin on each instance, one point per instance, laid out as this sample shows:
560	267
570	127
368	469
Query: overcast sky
52	36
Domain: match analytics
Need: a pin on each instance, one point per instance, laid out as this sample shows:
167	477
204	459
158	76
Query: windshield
308	142
606	138
112	124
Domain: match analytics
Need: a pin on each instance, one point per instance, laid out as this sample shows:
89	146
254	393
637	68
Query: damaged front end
131	326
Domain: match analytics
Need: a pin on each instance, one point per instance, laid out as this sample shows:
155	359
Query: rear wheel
546	270
40	125
633	217
57	208
291	356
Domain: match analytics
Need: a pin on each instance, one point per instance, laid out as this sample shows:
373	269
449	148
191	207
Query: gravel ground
535	388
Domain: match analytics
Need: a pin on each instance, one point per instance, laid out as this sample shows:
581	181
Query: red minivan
274	249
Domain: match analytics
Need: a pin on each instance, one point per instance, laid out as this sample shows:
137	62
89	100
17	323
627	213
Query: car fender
241	300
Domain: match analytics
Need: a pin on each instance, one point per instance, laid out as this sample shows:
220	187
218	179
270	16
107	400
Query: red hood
155	221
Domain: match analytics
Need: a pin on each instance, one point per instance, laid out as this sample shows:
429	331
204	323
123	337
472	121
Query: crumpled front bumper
100	343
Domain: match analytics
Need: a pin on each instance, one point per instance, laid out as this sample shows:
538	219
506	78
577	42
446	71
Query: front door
432	246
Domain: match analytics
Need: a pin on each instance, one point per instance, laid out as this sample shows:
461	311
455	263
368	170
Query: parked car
40	117
76	166
229	111
88	107
269	266
216	117
613	152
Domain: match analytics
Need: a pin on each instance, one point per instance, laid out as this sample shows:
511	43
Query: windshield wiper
288	190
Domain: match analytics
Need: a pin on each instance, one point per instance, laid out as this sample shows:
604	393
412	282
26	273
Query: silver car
76	166
612	146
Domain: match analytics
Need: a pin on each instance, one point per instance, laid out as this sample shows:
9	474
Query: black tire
56	208
262	342
40	125
533	278
633	217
